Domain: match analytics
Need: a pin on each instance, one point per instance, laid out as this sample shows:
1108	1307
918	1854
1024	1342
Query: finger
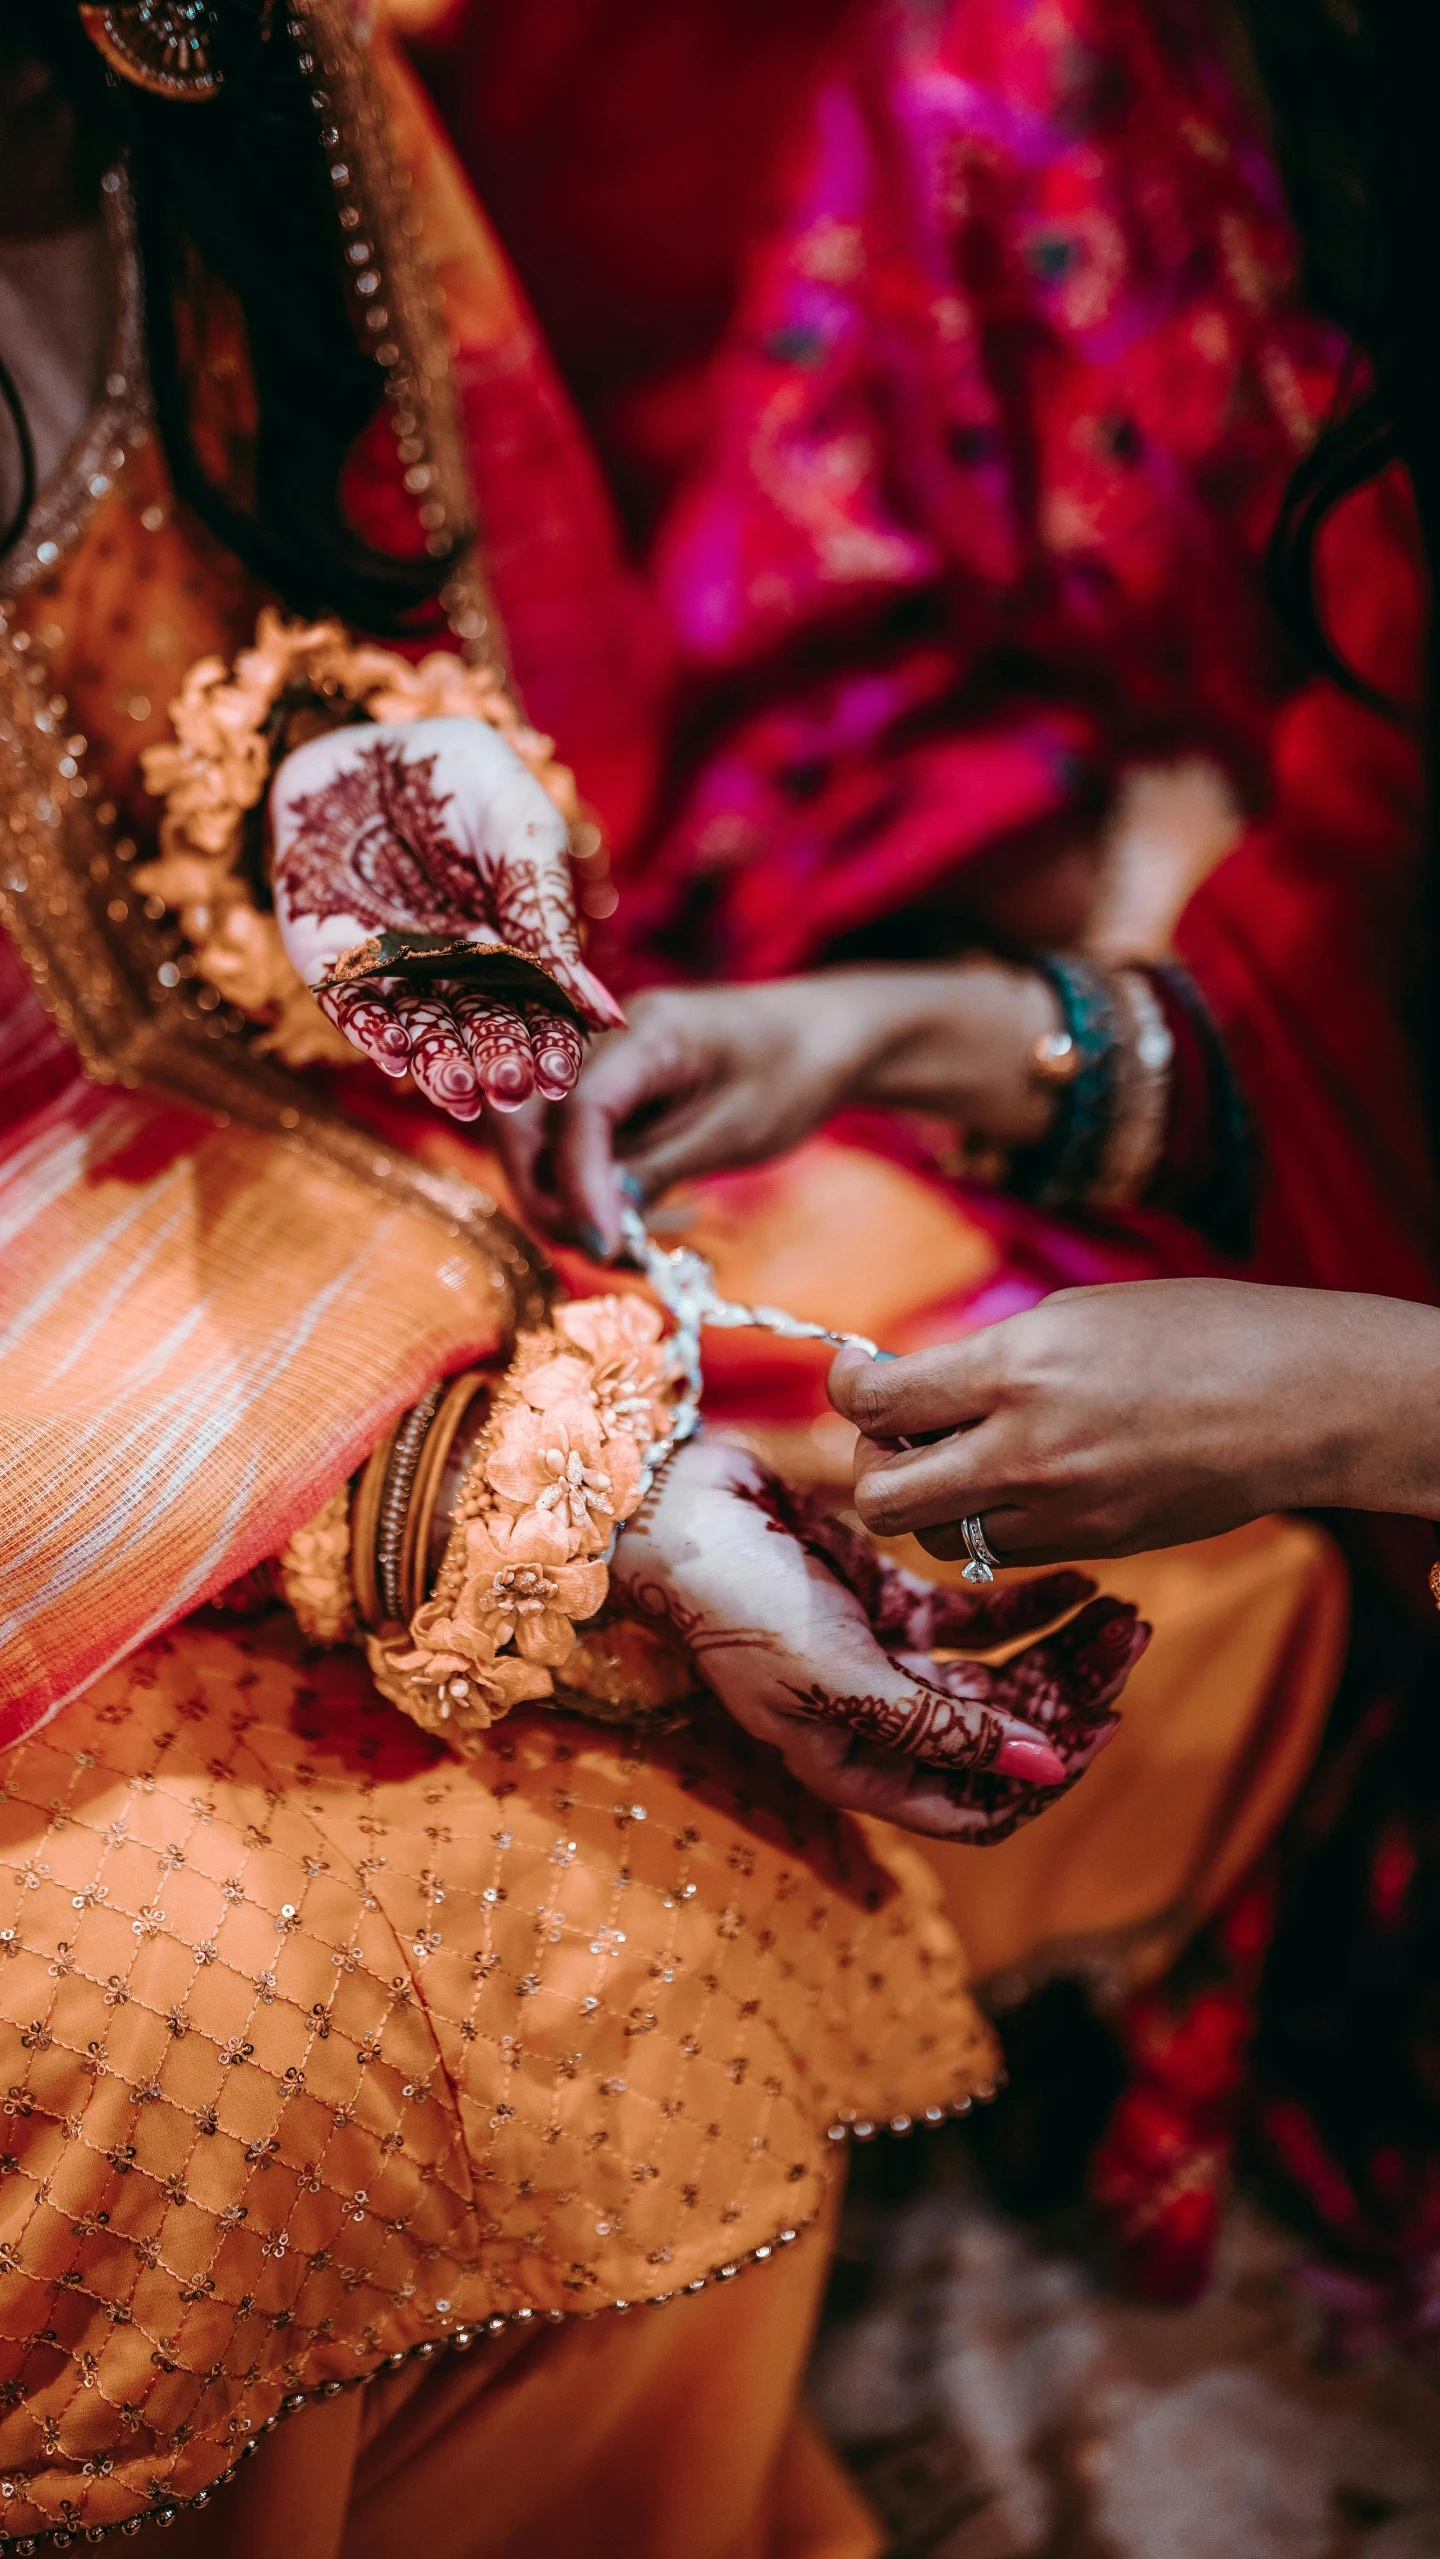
706	1134
521	1139
899	1491
981	1619
905	1610
1072	1679
369	1022
439	1059
559	1050
945	1387
619	1078
498	1043
857	1779
598	1007
929	1723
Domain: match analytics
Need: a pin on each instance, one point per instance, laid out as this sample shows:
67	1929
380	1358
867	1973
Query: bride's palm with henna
434	827
817	1645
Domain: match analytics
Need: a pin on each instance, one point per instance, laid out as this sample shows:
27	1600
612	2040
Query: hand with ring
1108	1421
826	1651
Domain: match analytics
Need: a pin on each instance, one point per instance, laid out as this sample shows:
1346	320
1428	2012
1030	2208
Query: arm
707	1077
1110	1420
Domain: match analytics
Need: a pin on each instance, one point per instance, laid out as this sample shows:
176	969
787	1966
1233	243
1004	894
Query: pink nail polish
1035	1761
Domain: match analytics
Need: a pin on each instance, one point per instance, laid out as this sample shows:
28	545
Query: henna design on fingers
984	1618
498	1043
904	1610
533	907
439	1059
932	1725
1065	1685
367	1020
372	842
530	902
558	1049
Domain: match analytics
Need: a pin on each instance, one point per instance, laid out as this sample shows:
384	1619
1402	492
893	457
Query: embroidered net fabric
325	2045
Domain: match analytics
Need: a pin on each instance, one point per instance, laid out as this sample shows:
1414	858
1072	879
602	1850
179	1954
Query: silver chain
685	1285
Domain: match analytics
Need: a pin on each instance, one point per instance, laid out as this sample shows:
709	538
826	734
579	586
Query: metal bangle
984	1563
395	1501
1058	1172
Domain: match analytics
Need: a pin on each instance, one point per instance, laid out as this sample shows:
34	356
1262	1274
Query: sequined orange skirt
322	2046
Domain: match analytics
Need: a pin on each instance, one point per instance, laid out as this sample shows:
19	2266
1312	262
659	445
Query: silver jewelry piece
984	1562
685	1285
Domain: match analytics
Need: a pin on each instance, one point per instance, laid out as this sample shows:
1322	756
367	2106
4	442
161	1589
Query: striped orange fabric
201	1332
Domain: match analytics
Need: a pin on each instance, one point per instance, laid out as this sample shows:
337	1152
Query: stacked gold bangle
398	1496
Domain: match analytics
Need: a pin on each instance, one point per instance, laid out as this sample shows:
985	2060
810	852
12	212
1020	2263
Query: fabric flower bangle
474	1542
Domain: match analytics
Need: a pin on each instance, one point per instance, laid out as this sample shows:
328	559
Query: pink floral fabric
999	439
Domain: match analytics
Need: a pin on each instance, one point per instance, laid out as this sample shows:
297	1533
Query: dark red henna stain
530	902
499	1044
439	1059
558	1050
929	1725
372	842
364	1016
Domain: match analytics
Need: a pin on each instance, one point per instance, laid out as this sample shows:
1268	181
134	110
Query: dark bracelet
1059	1172
1222	1203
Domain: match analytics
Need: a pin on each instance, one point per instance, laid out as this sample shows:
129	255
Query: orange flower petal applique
605	1326
547	1606
555	1380
464	1696
504	1537
558	1461
624	1338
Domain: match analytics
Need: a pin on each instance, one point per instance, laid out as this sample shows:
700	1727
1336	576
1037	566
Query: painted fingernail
592	1241
1035	1761
633	1188
887	1355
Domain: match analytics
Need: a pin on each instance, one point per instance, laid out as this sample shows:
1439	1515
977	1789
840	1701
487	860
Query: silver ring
984	1563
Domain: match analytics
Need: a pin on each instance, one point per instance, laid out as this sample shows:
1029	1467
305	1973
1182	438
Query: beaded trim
119	423
460	2340
397	304
395	1500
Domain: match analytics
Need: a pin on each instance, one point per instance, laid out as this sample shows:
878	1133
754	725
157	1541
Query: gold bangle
405	1452
459	1395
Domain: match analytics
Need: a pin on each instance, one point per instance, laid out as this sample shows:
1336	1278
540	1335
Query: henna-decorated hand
817	1645
434	829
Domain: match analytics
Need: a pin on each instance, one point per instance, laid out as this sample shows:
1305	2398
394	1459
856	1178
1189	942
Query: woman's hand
819	1647
434	829
1111	1420
705	1078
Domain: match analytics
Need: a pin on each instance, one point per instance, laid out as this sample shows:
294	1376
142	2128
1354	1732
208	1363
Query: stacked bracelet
1061	1169
1140	1103
476	1538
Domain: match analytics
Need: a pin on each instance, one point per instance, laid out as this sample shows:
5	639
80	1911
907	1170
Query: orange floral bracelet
559	1466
